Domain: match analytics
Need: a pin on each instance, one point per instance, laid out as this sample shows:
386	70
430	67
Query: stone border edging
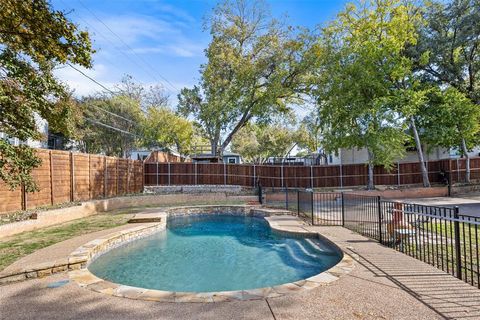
77	260
39	270
84	278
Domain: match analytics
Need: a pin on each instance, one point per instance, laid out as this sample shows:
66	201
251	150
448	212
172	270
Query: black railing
361	215
439	236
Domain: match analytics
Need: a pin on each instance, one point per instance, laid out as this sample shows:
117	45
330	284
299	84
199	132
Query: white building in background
360	156
42	126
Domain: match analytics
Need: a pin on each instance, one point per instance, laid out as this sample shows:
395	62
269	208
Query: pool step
148	217
317	248
306	251
294	255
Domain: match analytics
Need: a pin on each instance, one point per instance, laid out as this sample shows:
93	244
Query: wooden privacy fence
67	176
278	176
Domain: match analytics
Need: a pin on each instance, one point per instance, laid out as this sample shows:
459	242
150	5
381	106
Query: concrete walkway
385	284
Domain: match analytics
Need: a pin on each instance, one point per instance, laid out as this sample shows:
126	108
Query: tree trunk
370	183
467	161
214	145
243	121
423	168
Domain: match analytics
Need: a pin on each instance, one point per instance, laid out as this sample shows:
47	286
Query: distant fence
277	176
439	236
68	176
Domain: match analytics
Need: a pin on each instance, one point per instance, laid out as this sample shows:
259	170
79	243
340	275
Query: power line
90	78
101	85
109	126
111	113
107	39
130	48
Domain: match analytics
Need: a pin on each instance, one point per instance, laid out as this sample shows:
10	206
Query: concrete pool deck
384	284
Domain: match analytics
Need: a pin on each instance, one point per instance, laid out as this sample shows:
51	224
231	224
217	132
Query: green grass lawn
18	246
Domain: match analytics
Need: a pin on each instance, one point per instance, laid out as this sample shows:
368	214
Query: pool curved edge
276	220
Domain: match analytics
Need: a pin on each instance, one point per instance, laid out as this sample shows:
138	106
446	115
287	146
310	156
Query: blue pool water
205	253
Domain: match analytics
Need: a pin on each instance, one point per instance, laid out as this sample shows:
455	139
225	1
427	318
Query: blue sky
160	41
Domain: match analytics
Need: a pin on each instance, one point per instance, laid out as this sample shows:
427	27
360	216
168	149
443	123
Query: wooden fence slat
276	176
65	176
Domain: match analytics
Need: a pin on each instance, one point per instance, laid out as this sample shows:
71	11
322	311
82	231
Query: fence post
72	177
224	174
143	175
157	174
24	197
128	176
117	176
458	172
51	177
449	177
379	209
298	202
313	220
398	173
341	174
343	210
458	252
281	174
260	195
169	173
286	199
196	178
105	175
89	179
254	175
311	177
428	172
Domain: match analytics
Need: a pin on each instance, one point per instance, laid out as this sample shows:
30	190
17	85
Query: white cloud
130	29
139	45
144	34
81	85
177	50
177	13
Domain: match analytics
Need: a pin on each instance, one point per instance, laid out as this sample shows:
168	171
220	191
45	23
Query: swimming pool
208	253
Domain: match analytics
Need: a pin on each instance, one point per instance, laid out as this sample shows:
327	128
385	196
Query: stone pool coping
279	220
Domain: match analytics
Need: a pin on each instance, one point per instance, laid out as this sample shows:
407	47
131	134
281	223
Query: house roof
231	154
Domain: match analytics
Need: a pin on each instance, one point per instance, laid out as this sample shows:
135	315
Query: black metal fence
439	236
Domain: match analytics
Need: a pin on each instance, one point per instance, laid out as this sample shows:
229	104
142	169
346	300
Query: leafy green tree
111	125
256	67
451	120
448	52
162	127
256	143
132	116
247	144
310	130
447	55
363	90
34	39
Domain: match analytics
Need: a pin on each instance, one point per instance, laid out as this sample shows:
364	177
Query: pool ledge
279	220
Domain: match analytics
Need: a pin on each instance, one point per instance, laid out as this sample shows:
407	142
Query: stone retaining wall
196	189
56	216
